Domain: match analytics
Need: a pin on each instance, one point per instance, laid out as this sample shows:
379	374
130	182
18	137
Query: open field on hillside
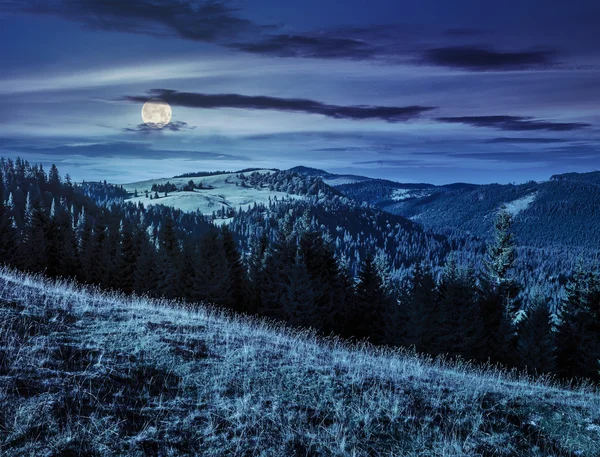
86	373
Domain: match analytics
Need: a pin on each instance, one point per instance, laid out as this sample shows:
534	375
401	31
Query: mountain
89	373
561	212
256	202
329	178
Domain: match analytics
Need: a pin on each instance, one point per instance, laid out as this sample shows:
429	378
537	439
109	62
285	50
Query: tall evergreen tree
458	326
256	271
535	342
8	235
237	274
499	293
127	260
168	257
299	307
372	305
33	245
421	310
212	283
578	333
145	277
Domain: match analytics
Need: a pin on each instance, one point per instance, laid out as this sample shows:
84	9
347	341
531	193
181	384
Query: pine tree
145	278
459	326
421	310
32	255
578	332
499	293
299	307
168	256
372	305
256	272
318	253
53	241
212	283
275	278
128	254
535	342
237	274
8	235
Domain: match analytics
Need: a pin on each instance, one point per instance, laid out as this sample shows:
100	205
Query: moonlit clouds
314	83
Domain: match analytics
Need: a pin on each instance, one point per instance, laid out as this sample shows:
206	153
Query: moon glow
156	113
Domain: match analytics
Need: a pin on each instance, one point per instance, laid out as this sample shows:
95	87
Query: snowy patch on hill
219	191
340	180
404	194
521	204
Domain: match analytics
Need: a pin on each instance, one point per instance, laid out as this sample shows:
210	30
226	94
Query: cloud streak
174	126
526	140
208	21
515	123
212	101
484	59
323	47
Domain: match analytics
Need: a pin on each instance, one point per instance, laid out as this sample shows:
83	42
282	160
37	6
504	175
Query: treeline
293	273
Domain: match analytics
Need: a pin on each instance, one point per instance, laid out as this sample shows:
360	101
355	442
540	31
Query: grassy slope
224	193
85	373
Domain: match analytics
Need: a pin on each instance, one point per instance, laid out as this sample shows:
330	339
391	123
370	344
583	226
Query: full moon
156	113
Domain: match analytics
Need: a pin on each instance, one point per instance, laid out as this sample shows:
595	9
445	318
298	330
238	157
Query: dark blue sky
436	91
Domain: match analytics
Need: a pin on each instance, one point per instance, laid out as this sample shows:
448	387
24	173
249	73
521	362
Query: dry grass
85	373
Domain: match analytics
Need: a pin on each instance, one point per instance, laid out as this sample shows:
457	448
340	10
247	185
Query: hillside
89	374
331	179
564	211
218	192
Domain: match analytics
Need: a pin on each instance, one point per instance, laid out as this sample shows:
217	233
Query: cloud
526	140
211	101
514	123
208	21
175	126
392	163
320	47
482	59
118	149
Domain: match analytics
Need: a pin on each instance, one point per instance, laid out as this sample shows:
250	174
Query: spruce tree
535	343
458	326
421	310
237	274
499	293
578	332
168	258
145	277
8	235
372	305
212	283
256	272
299	299
33	249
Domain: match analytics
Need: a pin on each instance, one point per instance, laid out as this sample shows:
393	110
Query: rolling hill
220	191
90	373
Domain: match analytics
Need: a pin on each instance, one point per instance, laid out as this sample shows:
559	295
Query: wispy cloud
211	101
483	59
115	149
174	126
526	140
515	123
320	47
208	21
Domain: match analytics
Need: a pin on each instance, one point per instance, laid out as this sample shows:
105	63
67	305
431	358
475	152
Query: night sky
431	91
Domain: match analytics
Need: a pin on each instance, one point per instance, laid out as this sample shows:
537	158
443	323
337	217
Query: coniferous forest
411	289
